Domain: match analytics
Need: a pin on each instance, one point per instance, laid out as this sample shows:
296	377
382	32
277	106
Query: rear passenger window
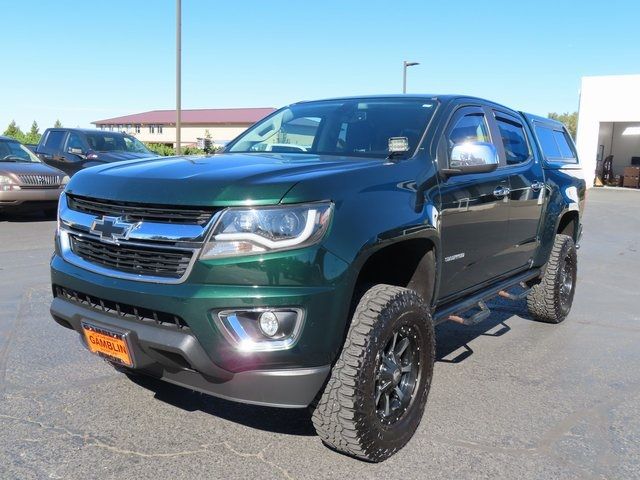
555	144
514	140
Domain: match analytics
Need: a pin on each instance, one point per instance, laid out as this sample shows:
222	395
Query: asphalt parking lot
511	398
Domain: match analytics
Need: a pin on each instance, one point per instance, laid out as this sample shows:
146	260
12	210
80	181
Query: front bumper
14	198
200	356
177	357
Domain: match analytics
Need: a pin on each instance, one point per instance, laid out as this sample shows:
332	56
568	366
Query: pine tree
33	136
14	131
58	124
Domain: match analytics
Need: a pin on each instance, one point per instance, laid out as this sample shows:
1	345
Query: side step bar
453	311
516	297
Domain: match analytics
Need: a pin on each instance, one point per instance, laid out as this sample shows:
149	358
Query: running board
516	296
473	319
453	311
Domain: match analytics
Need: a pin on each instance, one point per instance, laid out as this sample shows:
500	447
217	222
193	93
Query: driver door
474	210
72	162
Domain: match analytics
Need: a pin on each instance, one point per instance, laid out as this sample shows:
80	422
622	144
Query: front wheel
550	301
376	395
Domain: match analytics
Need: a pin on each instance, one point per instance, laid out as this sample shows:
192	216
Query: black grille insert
122	310
139	212
157	262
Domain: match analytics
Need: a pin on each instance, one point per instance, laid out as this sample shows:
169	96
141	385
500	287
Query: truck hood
218	180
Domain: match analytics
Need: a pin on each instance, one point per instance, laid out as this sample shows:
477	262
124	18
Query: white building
609	122
159	126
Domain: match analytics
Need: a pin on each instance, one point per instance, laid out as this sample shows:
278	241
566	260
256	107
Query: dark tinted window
555	144
563	144
514	139
547	142
75	141
108	142
54	140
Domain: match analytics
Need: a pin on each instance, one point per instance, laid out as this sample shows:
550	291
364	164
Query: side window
54	140
555	144
74	141
470	128
514	140
564	145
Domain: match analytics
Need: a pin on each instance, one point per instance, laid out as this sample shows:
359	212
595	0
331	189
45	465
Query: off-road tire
346	414
550	300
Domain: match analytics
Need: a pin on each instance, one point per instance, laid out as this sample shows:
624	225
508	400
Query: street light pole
406	64
178	72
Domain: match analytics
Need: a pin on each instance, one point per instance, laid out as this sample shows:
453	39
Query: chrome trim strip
146	231
247	344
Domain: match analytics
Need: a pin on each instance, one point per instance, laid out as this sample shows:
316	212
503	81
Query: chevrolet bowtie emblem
112	229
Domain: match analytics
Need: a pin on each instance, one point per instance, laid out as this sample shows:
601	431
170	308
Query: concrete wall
604	99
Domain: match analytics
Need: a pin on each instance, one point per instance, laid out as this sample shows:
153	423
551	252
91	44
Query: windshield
109	142
353	127
11	151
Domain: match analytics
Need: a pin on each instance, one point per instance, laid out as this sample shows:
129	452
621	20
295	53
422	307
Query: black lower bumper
177	357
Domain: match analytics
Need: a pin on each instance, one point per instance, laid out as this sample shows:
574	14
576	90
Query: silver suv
25	182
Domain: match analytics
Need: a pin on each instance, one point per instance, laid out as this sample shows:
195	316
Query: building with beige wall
159	126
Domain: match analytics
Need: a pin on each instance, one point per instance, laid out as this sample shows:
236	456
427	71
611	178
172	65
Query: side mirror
472	157
76	151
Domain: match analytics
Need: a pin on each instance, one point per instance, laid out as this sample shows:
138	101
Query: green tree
58	124
34	134
570	120
14	131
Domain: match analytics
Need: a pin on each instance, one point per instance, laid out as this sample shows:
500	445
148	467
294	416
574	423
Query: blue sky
80	60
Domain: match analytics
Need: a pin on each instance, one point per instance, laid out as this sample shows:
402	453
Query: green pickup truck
306	266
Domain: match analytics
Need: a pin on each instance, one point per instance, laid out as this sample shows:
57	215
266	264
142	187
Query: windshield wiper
10	158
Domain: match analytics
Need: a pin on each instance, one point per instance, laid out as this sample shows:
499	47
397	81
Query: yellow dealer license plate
110	345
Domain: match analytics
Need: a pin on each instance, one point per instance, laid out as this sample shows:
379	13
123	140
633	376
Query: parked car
72	149
315	278
25	182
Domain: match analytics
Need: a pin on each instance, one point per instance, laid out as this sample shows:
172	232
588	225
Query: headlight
246	231
7	184
64	181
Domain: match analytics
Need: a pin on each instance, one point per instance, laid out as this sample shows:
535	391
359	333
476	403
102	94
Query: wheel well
410	264
569	225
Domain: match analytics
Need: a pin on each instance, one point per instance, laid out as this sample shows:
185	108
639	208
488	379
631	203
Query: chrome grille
39	181
137	212
130	258
122	310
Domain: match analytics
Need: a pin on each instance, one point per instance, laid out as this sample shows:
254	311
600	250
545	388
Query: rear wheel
550	301
376	395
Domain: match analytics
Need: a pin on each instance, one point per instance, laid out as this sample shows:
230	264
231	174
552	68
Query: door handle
501	192
537	186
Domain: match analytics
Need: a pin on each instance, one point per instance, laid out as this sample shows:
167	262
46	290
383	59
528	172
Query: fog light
269	324
261	329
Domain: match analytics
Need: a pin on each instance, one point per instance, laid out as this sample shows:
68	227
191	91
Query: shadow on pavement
452	347
276	420
452	339
26	217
